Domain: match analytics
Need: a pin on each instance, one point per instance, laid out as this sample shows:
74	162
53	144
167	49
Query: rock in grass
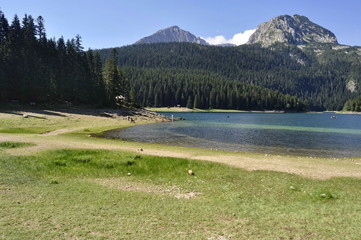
190	172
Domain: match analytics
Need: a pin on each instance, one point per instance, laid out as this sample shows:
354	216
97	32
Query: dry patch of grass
128	184
86	194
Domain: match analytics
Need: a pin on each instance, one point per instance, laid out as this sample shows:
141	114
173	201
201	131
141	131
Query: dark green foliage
202	89
36	69
54	182
115	80
60	163
83	159
281	77
353	105
14	144
317	74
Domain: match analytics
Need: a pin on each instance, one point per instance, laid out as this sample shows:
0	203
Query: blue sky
113	23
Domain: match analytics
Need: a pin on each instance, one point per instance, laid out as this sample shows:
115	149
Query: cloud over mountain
237	39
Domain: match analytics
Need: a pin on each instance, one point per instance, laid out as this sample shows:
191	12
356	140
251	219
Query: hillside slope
324	75
294	29
172	34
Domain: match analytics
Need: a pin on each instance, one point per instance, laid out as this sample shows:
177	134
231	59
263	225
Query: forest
353	105
319	79
206	90
37	69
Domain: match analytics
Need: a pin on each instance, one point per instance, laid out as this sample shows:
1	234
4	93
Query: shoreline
102	188
184	109
266	150
74	132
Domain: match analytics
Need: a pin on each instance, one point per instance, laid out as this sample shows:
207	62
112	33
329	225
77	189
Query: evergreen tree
189	102
195	102
113	79
40	29
4	28
133	99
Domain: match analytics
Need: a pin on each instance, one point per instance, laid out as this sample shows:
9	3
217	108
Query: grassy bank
98	194
57	182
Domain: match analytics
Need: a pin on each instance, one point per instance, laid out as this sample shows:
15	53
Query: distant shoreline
184	109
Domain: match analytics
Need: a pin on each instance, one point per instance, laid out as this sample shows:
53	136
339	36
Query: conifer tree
195	102
4	28
133	99
189	102
112	78
40	29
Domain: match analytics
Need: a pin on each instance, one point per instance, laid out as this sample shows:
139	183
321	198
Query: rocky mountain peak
296	29
172	34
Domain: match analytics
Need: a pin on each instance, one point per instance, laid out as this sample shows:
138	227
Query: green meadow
85	193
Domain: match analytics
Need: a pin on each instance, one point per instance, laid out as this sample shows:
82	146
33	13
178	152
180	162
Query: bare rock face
172	34
296	29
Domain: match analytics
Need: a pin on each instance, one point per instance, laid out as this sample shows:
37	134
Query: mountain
172	34
226	45
293	56
296	29
325	76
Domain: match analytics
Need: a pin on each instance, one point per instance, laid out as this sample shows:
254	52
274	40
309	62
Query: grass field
56	182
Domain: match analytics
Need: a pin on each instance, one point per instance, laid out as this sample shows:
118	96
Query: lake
307	134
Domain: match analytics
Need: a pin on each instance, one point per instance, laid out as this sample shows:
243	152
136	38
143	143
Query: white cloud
237	39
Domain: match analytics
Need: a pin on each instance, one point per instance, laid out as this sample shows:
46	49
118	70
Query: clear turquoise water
310	134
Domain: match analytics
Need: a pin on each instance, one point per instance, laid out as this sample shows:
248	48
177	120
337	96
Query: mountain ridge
306	62
323	75
172	34
296	30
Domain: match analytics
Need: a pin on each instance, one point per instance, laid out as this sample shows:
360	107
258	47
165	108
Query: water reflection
301	134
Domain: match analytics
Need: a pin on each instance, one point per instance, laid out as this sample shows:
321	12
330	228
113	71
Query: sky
115	23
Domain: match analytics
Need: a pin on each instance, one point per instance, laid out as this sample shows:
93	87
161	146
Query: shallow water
310	134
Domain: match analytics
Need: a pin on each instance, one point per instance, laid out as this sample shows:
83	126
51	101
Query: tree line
317	74
158	87
34	68
353	105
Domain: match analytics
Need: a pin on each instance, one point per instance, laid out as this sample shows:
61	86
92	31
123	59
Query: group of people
129	118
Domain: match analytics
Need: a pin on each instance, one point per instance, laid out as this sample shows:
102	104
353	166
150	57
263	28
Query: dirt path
308	167
56	132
